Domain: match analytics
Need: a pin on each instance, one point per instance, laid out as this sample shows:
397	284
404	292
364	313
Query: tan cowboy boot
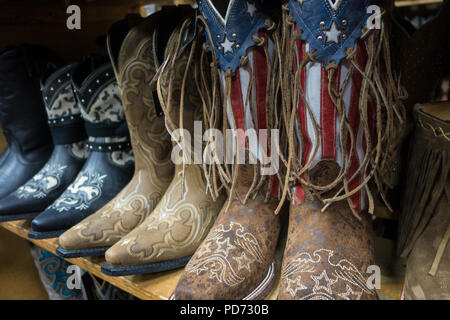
136	65
344	92
236	261
170	235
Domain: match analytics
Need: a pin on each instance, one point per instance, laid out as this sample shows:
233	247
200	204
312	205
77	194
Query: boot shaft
98	96
22	113
63	112
137	62
244	65
346	104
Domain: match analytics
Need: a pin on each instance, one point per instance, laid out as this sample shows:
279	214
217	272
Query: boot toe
70	240
118	256
46	222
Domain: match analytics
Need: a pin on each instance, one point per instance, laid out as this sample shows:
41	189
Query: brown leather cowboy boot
343	93
425	221
327	253
136	61
236	261
180	222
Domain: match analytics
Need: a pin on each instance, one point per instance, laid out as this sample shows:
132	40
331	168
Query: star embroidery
333	34
204	250
323	282
347	295
224	246
243	262
227	45
251	9
295	285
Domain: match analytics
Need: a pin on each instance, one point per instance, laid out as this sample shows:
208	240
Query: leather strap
108	147
67	130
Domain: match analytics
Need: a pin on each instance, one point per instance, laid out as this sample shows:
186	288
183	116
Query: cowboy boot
22	115
331	113
425	220
69	154
236	260
169	236
110	164
135	58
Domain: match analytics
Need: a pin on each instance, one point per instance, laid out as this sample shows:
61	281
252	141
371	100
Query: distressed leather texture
327	253
151	146
236	259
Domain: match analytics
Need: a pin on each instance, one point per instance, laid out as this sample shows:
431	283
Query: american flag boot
343	112
236	74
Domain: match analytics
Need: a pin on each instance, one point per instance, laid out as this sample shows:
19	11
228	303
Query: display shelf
148	287
160	286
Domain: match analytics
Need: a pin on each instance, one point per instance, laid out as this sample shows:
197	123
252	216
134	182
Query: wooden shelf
160	286
147	287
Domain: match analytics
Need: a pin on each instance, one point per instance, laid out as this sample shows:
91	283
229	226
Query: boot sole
45	235
262	290
15	217
150	268
81	253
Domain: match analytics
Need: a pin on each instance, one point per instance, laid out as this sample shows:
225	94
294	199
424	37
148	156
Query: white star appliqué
323	282
251	9
333	34
295	285
244	262
224	246
227	45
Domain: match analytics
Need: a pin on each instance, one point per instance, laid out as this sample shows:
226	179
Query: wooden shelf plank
148	287
160	286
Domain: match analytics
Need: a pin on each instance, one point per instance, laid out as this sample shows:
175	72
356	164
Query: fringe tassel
218	175
379	88
428	176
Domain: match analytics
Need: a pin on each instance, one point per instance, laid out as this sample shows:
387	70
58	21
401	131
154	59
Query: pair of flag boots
323	78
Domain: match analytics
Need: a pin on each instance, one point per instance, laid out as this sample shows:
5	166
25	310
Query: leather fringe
380	87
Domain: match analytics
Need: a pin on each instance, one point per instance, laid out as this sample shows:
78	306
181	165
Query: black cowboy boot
22	115
67	129
110	164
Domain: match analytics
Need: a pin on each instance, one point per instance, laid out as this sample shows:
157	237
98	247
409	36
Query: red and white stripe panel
314	80
251	114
